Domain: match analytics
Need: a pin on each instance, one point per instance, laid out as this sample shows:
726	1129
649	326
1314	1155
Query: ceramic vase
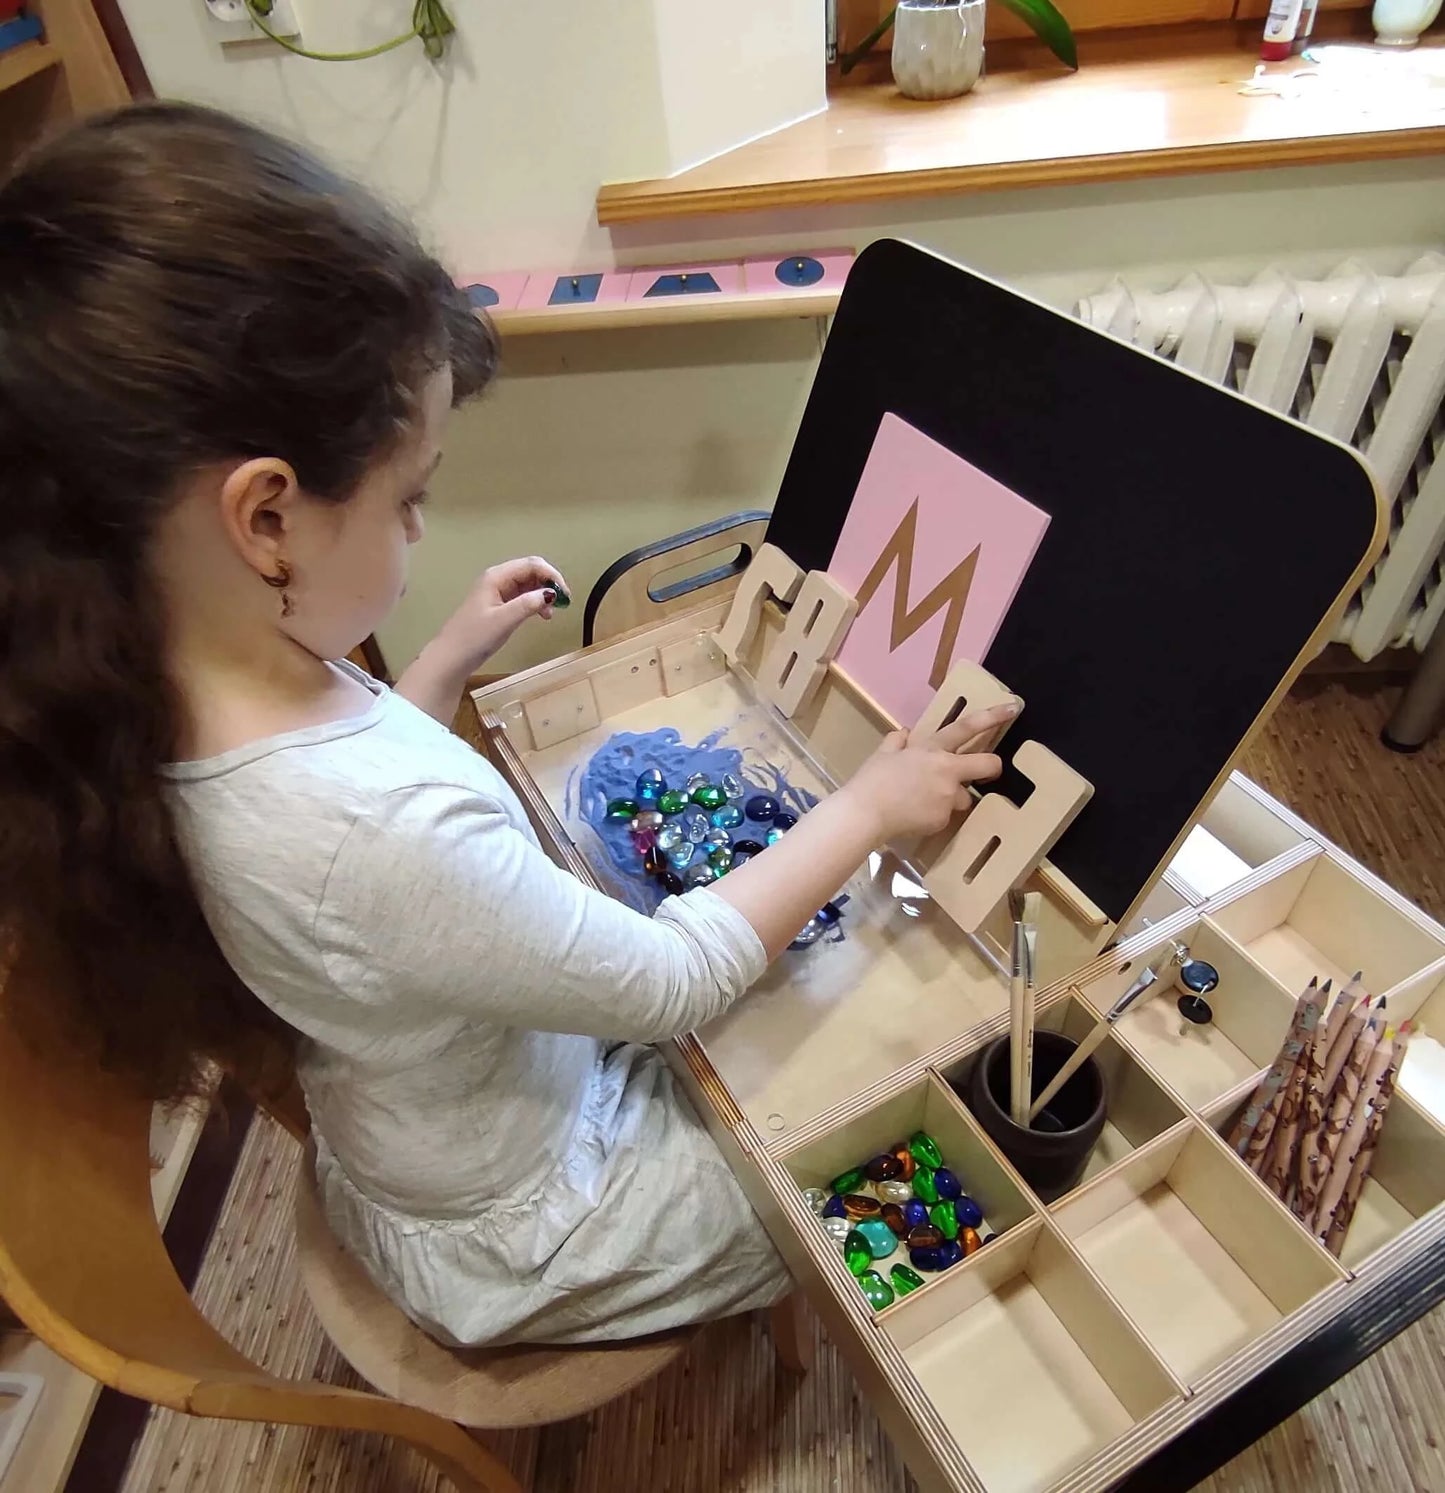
1398	23
937	49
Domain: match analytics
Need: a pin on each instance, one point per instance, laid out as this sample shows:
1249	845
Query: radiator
1359	356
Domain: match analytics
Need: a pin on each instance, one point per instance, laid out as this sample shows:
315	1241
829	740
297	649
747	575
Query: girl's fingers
967	729
895	741
980	767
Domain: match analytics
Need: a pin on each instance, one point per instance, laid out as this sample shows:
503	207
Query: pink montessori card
935	551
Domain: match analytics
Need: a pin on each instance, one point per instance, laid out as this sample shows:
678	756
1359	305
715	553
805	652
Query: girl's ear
258	504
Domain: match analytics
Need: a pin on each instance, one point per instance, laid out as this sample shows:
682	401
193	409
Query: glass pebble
950	1252
651	781
876	1289
699	874
709	797
654	861
830	913
748	847
669	837
761	807
925	1149
945	1220
838	1228
773	836
731	786
924	1188
642	840
621	808
674	801
970	1215
926	1258
697	780
673	883
815	1198
784	821
969	1241
904	1155
810	933
881	1239
727	817
720	858
647	819
893	1217
680	856
904	1280
925	1236
716	837
857	1252
859	1205
896	1191
697	827
882	1168
849	1181
833	1208
947	1184
740	858
915	1213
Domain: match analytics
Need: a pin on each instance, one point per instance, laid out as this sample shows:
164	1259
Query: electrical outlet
231	20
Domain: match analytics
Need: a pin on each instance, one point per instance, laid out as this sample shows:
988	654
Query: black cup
1050	1155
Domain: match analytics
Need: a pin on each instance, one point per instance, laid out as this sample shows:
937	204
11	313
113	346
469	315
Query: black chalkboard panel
1195	544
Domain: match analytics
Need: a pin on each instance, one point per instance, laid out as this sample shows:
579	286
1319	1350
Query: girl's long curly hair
177	287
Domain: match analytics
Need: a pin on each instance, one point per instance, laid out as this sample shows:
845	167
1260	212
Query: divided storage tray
1089	1330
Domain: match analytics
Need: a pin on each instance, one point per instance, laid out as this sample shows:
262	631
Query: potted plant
938	44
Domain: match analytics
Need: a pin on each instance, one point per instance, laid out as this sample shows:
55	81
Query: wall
596	443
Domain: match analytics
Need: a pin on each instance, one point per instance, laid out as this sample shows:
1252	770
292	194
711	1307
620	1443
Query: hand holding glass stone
499	601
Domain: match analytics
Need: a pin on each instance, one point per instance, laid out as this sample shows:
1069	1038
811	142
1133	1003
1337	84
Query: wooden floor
726	1420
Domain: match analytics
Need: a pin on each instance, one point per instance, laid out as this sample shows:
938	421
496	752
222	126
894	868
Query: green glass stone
846	1182
904	1280
674	801
945	1219
925	1189
876	1289
925	1149
720	858
857	1252
709	797
561	599
881	1239
622	808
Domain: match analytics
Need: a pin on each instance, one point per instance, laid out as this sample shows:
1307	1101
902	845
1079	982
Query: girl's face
350	559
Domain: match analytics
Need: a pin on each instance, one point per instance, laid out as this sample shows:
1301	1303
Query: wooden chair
83	1265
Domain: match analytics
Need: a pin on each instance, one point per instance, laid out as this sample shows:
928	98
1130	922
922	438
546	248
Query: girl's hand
913	785
500	600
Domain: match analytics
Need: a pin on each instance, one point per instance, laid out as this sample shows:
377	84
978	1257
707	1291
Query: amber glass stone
893	1217
905	1160
925	1236
970	1241
859	1205
882	1168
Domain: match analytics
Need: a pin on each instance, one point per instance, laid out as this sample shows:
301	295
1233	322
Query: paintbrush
1024	910
1085	1049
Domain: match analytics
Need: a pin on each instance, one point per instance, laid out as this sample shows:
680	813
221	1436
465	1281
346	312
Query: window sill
1144	104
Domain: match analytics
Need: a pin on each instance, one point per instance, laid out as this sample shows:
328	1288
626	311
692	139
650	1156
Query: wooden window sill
1143	104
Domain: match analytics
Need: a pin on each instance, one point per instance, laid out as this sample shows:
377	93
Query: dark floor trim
118	1420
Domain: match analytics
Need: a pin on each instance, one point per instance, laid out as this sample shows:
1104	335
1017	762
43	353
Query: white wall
597	443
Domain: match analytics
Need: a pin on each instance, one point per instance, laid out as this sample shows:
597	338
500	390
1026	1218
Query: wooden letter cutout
1001	844
966	688
771	572
794	666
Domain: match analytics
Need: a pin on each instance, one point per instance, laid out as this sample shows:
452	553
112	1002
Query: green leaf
849	60
1049	26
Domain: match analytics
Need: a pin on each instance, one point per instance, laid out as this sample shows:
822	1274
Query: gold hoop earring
279	582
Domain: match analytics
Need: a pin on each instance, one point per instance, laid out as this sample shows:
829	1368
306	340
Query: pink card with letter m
935	551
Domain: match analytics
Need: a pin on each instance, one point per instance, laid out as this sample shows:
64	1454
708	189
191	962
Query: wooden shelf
1129	112
25	61
668	311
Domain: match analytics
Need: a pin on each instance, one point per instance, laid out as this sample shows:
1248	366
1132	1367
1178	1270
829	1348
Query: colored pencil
1299	1029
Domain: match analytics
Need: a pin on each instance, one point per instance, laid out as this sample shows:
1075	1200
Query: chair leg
477	1469
792	1332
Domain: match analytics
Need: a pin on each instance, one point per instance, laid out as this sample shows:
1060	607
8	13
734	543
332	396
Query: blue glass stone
761	807
950	1252
651	780
929	1259
882	1241
915	1213
784	821
696	826
829	913
773	836
673	883
748	847
699	874
720	858
731	786
968	1213
947	1184
680	856
669	837
833	1208
621	809
740	857
811	932
649	798
727	817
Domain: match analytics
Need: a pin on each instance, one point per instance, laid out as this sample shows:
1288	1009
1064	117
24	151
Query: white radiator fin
1359	356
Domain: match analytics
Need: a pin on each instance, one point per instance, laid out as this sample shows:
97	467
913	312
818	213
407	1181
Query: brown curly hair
177	287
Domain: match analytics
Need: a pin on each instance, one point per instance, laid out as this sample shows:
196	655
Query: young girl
224	376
